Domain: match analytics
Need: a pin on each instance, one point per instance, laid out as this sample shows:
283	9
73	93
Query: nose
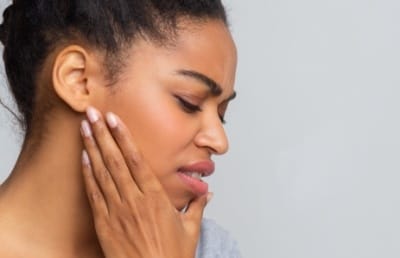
212	136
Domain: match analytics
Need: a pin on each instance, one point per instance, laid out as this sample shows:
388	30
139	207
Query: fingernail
85	158
92	114
85	129
111	120
209	197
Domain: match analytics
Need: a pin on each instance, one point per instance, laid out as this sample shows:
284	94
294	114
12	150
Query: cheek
161	130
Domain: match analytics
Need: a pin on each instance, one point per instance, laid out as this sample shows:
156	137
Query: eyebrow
213	86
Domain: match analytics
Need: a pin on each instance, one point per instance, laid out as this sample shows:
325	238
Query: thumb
194	213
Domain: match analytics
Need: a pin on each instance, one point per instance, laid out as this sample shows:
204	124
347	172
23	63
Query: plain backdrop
314	166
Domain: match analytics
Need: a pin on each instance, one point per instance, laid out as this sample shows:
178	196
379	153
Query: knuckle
134	158
114	162
90	143
103	174
96	197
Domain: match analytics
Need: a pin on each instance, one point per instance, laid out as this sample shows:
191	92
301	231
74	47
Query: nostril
221	147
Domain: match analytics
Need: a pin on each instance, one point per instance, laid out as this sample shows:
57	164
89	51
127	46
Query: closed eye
193	108
187	106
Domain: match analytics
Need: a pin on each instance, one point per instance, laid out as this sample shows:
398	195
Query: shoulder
216	242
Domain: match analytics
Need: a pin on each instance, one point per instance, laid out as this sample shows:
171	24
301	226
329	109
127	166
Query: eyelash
191	108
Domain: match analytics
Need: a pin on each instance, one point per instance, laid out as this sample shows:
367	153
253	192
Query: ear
70	76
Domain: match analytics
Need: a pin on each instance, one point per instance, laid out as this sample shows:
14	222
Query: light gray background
314	164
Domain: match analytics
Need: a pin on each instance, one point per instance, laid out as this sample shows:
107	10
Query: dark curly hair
31	29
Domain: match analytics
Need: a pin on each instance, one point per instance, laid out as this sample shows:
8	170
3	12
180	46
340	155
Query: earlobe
70	77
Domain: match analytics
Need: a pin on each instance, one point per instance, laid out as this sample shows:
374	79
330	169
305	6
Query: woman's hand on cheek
133	216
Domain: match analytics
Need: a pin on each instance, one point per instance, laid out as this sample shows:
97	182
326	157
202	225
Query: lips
191	176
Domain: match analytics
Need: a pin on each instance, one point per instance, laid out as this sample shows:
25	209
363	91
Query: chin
181	203
181	206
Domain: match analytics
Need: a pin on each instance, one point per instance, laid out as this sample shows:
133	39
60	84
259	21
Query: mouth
195	175
192	176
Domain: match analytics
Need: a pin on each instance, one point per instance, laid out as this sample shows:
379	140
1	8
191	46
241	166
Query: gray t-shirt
215	242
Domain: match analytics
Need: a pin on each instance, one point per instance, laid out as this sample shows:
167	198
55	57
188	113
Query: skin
43	203
133	214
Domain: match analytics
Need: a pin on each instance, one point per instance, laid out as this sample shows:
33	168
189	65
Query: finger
99	170
194	213
111	155
93	192
142	174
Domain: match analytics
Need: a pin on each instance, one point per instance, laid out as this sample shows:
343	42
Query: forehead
206	47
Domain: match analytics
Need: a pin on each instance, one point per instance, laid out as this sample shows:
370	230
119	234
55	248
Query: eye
187	106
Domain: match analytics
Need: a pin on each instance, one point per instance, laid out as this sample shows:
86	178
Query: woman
141	87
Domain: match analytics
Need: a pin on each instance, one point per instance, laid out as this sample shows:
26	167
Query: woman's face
173	99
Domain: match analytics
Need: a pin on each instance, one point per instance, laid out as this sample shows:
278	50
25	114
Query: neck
44	197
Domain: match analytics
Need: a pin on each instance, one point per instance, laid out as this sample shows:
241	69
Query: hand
133	215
